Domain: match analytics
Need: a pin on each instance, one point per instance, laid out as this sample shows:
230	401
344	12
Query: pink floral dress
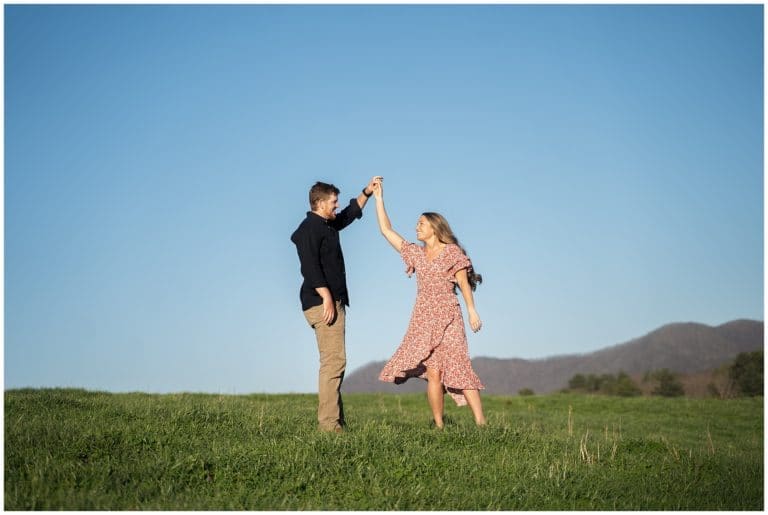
435	337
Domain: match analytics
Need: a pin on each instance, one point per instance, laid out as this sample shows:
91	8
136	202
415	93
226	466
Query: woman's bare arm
469	299
385	225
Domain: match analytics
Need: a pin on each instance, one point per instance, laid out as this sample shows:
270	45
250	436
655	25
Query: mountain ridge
684	347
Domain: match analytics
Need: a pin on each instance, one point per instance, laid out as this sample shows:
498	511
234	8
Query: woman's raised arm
384	224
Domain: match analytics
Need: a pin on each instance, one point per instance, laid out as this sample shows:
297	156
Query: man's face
327	208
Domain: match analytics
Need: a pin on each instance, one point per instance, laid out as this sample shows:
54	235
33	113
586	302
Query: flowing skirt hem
400	377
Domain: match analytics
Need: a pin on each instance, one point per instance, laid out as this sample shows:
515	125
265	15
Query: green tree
593	383
608	384
669	385
746	373
577	382
625	386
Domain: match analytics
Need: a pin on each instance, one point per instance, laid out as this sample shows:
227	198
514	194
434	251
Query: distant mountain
681	347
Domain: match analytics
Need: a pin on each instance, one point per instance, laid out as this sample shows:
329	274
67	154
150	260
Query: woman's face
424	229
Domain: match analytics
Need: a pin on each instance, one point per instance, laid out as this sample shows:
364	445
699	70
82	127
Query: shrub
526	391
577	382
746	373
593	383
713	390
668	386
625	386
607	384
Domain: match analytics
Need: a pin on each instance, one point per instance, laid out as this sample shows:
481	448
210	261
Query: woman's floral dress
435	337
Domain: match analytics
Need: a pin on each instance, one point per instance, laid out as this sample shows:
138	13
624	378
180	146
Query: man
323	293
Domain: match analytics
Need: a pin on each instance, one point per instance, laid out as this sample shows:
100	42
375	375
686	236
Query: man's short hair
321	191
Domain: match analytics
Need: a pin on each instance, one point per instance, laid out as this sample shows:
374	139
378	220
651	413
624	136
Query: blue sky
602	165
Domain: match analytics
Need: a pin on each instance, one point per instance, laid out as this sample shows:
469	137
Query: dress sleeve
409	251
455	261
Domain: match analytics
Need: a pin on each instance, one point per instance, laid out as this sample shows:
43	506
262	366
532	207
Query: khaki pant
333	361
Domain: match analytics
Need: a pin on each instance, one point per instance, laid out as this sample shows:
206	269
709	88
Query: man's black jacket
322	262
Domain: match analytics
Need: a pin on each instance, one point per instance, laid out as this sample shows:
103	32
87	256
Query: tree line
745	378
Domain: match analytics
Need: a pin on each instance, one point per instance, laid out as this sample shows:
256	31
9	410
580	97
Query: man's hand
409	270
376	179
329	310
329	306
369	190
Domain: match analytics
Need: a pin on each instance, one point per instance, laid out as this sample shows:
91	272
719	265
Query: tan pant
333	361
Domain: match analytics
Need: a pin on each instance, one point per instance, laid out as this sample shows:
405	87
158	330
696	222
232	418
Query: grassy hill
80	450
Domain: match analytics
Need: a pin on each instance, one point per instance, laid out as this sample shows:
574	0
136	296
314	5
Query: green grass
80	450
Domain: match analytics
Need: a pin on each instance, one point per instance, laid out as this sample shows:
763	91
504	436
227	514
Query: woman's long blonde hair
445	235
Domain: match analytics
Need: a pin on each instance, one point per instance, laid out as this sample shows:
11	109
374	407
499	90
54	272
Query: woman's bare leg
435	395
473	399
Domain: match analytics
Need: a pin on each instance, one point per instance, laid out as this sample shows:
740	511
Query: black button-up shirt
322	262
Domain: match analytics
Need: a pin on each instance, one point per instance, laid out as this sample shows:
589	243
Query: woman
435	345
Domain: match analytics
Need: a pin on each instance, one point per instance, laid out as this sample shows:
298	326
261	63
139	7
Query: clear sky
602	165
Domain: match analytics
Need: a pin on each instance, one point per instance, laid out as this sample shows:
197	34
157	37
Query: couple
435	345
